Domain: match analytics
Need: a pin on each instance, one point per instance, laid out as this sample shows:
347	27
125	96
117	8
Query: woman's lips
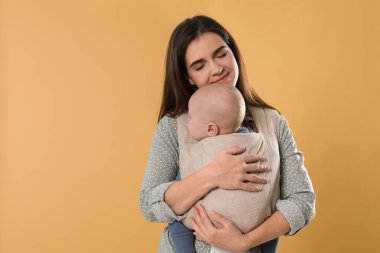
222	79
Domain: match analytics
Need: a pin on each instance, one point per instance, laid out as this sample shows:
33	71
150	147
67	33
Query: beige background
80	90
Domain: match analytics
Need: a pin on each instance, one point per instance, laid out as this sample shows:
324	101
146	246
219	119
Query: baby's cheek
189	128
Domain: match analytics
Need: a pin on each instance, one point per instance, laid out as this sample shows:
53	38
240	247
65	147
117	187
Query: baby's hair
222	104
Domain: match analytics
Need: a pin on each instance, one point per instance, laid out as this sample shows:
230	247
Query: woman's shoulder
171	122
167	127
269	112
168	122
267	119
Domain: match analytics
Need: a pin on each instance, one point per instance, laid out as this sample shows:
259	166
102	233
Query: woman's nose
216	69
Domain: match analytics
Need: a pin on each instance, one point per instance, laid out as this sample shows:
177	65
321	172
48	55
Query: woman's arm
297	197
161	171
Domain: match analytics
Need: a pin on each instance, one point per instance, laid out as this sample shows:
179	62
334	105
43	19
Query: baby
214	120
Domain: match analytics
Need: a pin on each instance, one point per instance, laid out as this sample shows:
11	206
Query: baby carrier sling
246	209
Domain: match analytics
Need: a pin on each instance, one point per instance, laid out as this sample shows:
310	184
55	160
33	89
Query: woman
201	52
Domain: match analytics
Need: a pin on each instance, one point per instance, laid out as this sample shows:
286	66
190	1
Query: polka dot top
297	197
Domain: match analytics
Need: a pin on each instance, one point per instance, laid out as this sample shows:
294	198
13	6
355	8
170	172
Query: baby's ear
212	129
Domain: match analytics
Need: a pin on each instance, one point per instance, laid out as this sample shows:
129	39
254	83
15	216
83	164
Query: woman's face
210	60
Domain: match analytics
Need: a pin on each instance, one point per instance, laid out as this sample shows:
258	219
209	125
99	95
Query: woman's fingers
201	217
256	168
204	217
234	150
198	236
253	158
255	179
250	187
201	222
197	231
197	216
220	219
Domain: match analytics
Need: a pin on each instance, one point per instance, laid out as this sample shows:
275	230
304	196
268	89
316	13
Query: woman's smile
222	79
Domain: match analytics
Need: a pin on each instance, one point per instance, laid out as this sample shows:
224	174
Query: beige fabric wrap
246	209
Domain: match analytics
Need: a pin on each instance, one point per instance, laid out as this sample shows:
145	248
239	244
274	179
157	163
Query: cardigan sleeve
161	170
297	197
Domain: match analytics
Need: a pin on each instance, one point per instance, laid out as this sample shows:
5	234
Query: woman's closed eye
199	67
222	54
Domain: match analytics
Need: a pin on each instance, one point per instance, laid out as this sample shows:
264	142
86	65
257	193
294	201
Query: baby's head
215	109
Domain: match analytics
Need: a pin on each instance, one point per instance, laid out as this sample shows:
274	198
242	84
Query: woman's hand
228	236
230	171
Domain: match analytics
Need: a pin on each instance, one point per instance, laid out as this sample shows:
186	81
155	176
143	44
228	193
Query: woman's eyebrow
213	55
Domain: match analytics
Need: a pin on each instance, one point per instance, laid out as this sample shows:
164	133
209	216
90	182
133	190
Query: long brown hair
177	88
